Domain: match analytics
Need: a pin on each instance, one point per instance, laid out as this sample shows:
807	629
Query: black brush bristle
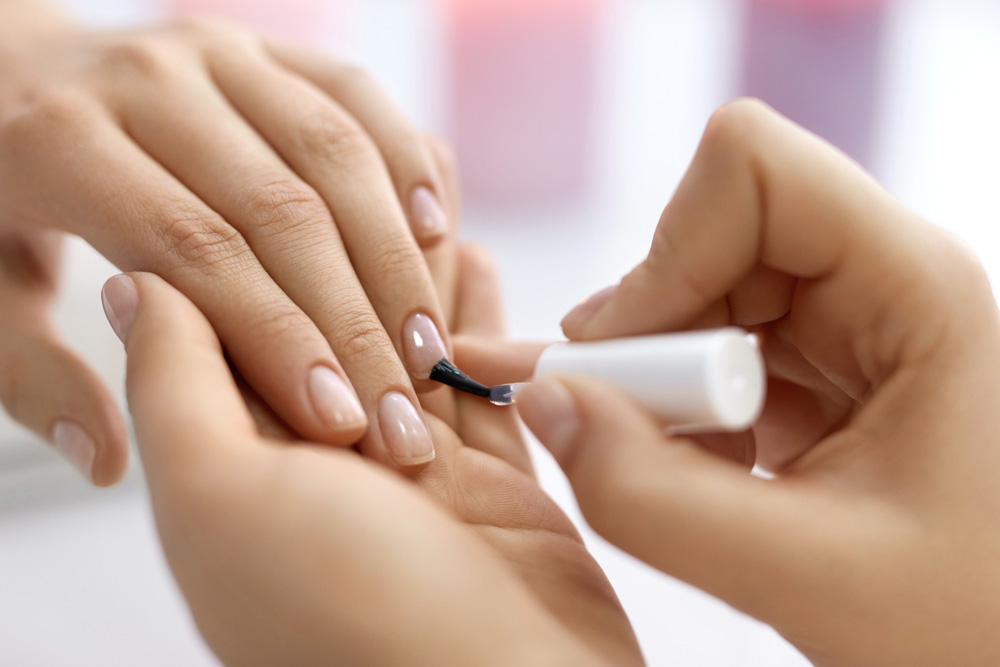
447	373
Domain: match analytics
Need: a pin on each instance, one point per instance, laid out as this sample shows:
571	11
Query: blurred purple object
522	94
819	63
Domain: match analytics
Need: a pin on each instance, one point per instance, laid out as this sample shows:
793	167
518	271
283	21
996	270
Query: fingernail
75	445
548	409
429	219
404	431
586	309
422	345
120	300
333	400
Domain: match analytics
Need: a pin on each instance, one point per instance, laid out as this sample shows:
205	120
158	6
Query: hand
263	181
292	553
876	543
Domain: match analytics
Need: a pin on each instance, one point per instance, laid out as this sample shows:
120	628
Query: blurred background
573	121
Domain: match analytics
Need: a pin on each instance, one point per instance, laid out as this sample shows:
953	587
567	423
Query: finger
442	259
43	384
751	542
140	217
482	425
495	361
442	262
411	165
49	389
762	191
292	232
331	153
480	311
175	368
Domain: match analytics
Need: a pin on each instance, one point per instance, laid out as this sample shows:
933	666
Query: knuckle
43	116
335	140
140	57
966	267
360	335
192	240
278	207
396	258
285	319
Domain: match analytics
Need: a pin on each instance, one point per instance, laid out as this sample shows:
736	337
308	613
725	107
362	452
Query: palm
483	479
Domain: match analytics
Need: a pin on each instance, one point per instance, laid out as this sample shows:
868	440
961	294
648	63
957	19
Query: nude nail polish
422	345
587	308
333	399
429	219
75	445
121	300
403	431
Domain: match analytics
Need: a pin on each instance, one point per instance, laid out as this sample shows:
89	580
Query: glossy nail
120	299
422	345
548	409
429	219
403	431
75	445
333	400
586	309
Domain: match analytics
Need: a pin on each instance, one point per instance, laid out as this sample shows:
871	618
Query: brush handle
697	381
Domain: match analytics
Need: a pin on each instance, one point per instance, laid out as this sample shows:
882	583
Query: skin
270	185
876	542
292	553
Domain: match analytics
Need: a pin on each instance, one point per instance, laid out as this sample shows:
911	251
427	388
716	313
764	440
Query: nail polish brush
695	381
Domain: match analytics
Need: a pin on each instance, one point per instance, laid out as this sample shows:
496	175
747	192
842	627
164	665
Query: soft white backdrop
82	581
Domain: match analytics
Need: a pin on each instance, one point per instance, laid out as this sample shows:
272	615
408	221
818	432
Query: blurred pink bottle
818	62
522	92
313	22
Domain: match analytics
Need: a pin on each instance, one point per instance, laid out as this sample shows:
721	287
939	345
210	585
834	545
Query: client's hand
292	553
280	190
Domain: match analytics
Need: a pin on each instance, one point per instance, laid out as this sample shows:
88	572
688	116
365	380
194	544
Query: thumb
49	389
694	515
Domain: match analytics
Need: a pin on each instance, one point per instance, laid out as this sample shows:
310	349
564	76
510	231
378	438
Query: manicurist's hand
877	542
292	553
277	189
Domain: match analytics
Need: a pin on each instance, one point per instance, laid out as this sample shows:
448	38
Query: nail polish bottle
819	63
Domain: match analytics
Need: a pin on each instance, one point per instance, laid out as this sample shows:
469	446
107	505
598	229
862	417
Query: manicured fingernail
586	309
422	345
550	412
404	431
75	445
429	219
120	299
333	400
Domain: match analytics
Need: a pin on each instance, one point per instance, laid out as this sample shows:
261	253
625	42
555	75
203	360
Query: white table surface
82	580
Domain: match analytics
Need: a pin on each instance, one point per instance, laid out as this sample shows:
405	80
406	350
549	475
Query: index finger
175	367
769	215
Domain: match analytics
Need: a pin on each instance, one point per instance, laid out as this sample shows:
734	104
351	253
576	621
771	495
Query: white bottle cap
695	381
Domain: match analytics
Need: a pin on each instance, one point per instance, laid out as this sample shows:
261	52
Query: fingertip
576	321
549	410
428	219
